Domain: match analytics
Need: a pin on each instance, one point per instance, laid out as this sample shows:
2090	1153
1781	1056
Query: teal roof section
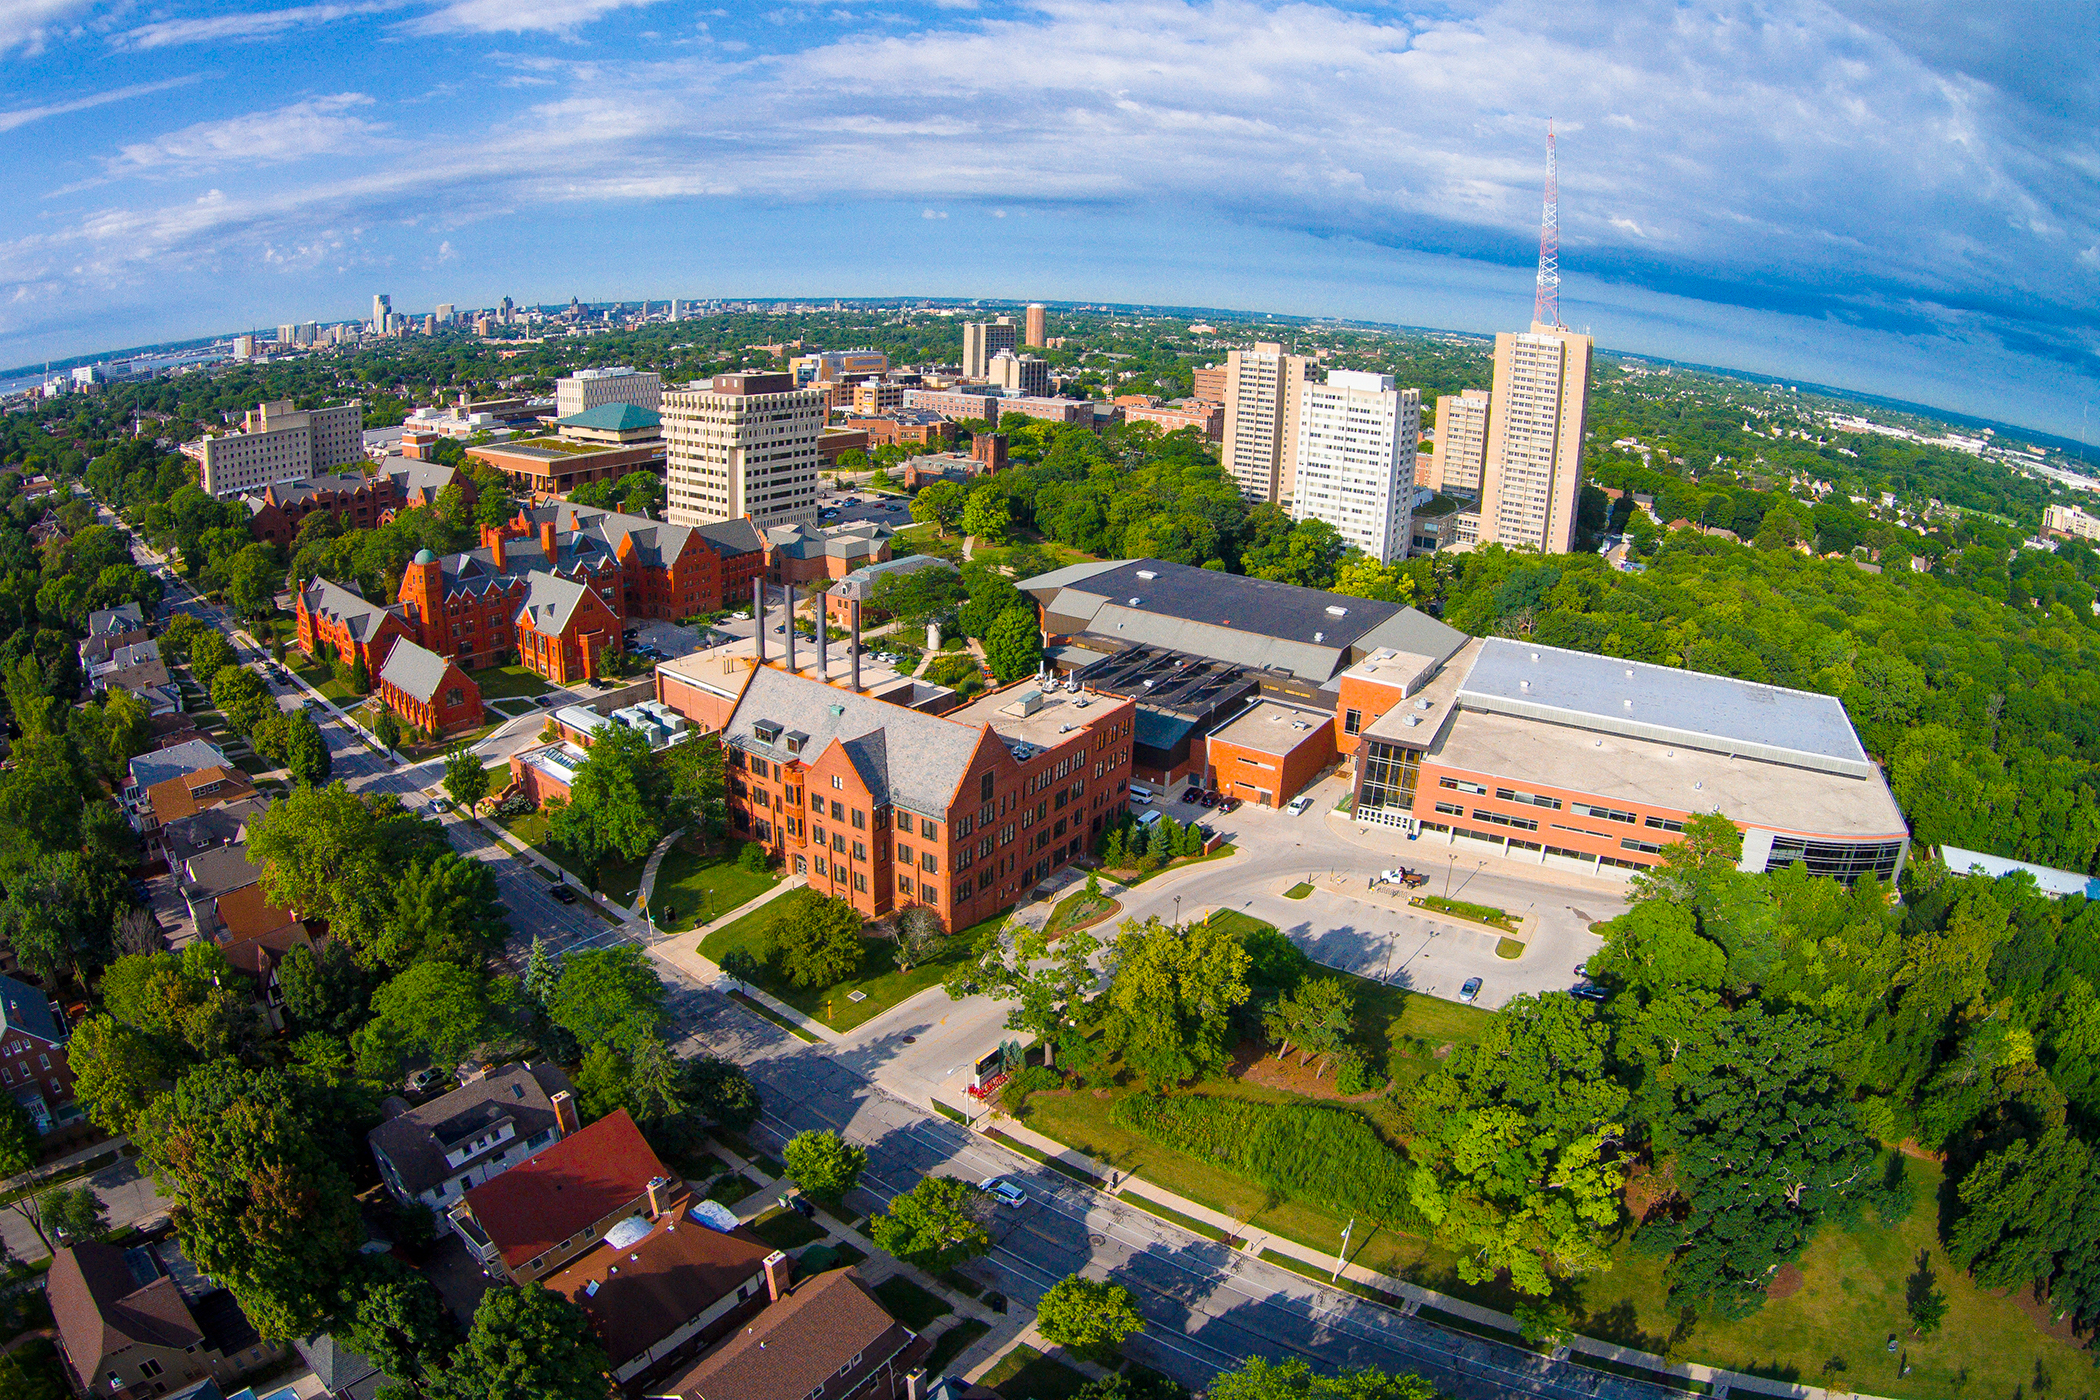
613	418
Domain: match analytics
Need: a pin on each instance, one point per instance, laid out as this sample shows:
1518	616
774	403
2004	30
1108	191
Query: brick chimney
564	1104
780	1271
659	1194
547	538
492	541
915	1385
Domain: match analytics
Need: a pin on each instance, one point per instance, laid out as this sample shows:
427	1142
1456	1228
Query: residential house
207	877
828	1339
111	628
344	1374
33	1067
172	762
185	795
479	1131
656	1284
129	1325
336	622
427	691
209	829
138	668
526	1224
256	935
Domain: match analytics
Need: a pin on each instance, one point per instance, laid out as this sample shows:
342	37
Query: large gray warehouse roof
1665	704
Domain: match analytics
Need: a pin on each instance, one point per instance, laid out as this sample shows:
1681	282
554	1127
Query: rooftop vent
1422	704
836	710
1134	602
1334	610
1629	673
1627	703
1534	656
1147	574
1523	685
1319	636
1413	720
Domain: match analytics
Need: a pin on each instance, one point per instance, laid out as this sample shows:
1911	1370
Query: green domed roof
424	556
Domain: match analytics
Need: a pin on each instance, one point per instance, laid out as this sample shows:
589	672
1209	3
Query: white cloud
260	24
934	214
30	24
22	116
516	16
319	126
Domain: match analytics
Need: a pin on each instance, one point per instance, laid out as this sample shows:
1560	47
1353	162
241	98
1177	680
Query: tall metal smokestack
790	628
856	646
758	610
823	602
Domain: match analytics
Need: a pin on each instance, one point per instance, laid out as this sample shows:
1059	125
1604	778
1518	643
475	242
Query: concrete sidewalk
682	951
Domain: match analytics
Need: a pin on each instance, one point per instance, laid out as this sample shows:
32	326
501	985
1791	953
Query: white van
1139	793
1150	818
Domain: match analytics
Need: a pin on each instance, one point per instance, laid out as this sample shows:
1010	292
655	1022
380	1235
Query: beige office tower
1460	451
1038	325
744	445
1532	483
984	339
1261	412
1356	460
279	443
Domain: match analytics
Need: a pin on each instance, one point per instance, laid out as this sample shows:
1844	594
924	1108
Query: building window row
1527	798
1497	819
1458	785
1608	814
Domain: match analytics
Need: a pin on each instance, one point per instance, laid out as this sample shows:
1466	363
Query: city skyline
187	170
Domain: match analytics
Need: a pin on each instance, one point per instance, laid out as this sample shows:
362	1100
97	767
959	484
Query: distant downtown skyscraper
1355	460
984	339
1261	406
1536	417
382	307
1038	325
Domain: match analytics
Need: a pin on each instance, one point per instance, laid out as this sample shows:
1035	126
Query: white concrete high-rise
279	443
382	307
1025	374
984	339
1355	455
1536	417
1261	431
587	388
745	445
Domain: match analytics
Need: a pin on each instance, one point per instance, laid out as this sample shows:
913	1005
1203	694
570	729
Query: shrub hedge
1328	1156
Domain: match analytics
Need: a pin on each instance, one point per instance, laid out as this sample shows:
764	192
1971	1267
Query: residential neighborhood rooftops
163	764
24	1008
190	793
124	617
820	1330
532	1208
638	1293
105	1299
415	1142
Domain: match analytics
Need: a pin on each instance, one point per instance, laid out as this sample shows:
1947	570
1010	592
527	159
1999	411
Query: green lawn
877	976
1026	1374
506	682
618	879
690	884
783	1229
910	1304
322	678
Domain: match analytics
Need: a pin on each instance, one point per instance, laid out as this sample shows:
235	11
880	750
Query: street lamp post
1450	865
1342	1257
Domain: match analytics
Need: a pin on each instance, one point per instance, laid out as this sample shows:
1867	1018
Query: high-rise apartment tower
587	388
743	445
1038	325
1529	491
1356	460
1261	430
1461	441
984	339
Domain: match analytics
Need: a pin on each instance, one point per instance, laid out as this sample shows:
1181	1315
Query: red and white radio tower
1545	311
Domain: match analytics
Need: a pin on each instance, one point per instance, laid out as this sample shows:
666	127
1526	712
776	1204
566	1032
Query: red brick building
903	427
1269	752
428	692
335	622
888	807
801	554
358	501
563	627
33	1068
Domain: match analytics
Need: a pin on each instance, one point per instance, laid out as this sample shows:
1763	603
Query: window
1529	799
838	810
1609	814
928	861
984	788
860	881
1628	843
1353	722
1663	824
928	830
1451	809
1496	818
1454	785
149	1368
904	853
820	865
860	820
904	884
837	781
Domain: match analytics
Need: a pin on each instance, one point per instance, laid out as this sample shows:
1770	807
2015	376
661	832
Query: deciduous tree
936	1224
819	941
823	1163
1171	998
527	1343
608	996
466	779
1092	1316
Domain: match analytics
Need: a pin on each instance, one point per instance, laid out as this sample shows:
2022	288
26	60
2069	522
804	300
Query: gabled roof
796	1345
216	872
732	537
640	1292
124	617
105	1299
186	757
551	602
187	794
586	1176
613	417
338	605
415	1141
212	827
24	1008
932	754
416	671
340	1370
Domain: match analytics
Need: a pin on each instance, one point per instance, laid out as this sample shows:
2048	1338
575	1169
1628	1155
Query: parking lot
848	507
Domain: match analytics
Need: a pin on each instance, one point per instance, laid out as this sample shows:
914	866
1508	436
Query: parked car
1228	804
1211	799
310	704
1590	991
429	1077
1470	992
1005	1192
565	894
1192	794
1299	804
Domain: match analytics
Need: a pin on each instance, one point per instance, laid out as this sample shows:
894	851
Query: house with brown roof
129	1326
529	1222
657	1284
186	794
498	1122
256	936
828	1339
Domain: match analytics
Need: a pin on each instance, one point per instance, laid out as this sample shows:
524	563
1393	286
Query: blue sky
1893	195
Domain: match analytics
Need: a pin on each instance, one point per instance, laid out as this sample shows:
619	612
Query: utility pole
1342	1257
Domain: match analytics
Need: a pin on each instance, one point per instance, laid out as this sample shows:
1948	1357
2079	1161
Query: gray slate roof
125	617
223	825
414	1141
190	756
345	1374
416	671
931	754
338	604
860	583
1665	704
221	871
550	601
24	1008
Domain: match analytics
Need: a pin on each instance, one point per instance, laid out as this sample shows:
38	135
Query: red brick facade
335	623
